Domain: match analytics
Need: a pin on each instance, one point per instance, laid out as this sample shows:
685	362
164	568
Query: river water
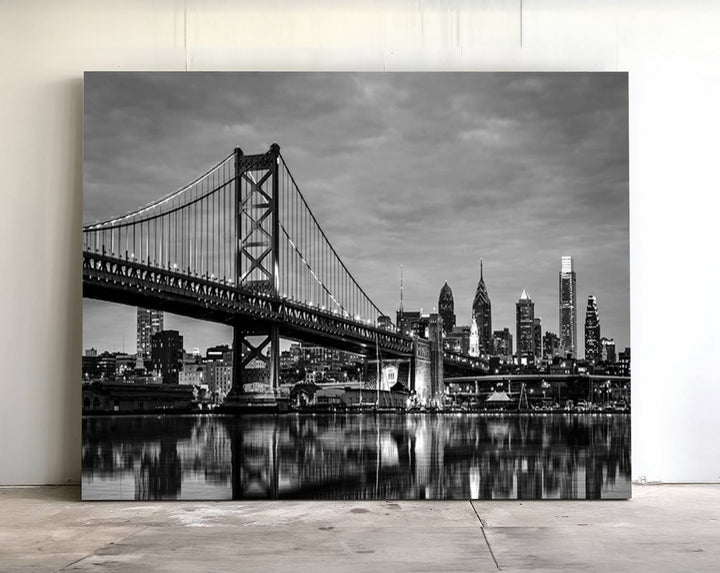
357	456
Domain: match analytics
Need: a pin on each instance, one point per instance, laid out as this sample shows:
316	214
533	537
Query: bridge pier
256	368
421	371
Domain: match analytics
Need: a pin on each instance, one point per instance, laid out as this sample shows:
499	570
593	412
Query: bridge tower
256	356
427	365
437	374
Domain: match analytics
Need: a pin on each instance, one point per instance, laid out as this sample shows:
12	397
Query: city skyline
489	190
207	330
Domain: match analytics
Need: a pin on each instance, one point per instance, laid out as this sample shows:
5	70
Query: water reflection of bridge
361	457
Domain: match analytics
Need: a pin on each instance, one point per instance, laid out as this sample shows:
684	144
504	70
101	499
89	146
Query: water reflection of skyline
354	456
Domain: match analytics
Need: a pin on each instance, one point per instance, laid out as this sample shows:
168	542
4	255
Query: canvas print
356	286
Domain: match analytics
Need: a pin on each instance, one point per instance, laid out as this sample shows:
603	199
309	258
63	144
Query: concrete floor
663	528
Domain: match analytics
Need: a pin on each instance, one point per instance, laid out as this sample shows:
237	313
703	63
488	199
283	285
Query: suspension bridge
240	246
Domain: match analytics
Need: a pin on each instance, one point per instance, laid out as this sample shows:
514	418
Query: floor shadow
41	492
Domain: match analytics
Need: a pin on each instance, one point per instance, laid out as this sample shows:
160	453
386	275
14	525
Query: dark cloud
432	171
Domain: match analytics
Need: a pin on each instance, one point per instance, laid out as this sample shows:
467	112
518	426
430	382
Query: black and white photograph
376	286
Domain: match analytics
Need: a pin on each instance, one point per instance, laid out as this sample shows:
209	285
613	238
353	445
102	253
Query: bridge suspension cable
221	227
313	270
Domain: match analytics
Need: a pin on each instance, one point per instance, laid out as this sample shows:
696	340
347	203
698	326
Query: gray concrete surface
663	528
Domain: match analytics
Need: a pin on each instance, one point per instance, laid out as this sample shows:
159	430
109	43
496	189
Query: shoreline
274	413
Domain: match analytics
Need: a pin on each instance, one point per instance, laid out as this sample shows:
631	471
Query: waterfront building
607	346
218	368
291	369
218	376
90	364
568	314
525	328
503	343
551	345
482	314
330	364
149	322
124	366
290	358
537	337
166	353
317	357
592	331
192	374
106	366
446	308
111	397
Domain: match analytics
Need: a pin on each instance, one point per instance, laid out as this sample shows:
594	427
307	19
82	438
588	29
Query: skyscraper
503	343
167	354
607	350
149	322
568	314
551	345
482	314
592	331
474	346
446	308
525	327
537	337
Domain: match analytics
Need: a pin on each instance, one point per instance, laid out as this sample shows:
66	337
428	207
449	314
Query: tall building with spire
149	322
446	308
592	331
482	313
525	327
568	313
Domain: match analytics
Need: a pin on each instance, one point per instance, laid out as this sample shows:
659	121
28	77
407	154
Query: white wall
672	50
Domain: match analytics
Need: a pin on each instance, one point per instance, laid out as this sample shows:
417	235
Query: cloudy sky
430	170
